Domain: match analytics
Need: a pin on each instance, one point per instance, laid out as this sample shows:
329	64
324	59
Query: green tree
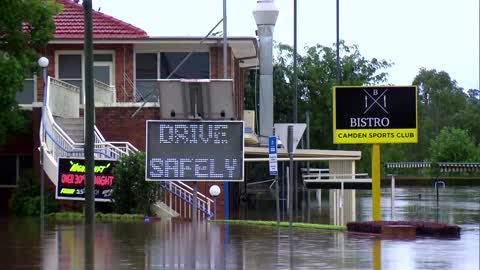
26	26
316	72
131	193
316	78
468	118
440	98
453	145
474	96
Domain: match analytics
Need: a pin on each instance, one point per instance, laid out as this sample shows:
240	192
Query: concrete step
74	127
77	139
164	211
69	121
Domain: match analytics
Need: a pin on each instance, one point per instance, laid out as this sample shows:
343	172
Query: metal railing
58	143
323	175
182	202
136	96
314	173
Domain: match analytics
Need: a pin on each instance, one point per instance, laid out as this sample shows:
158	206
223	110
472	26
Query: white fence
63	99
104	93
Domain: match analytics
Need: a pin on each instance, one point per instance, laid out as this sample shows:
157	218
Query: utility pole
89	139
89	116
338	44
226	206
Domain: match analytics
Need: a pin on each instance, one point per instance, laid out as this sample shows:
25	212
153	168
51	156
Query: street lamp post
43	63
265	14
214	191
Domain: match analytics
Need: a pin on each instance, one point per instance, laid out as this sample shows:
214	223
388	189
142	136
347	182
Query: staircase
74	127
62	135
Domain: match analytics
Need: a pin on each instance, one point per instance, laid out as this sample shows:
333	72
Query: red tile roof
69	24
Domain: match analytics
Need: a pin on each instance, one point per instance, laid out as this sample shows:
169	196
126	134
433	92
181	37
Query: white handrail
200	199
104	93
103	86
59	144
98	135
64	85
203	202
63	99
185	186
321	174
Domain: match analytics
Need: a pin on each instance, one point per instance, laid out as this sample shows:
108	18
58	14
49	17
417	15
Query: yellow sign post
376	214
375	115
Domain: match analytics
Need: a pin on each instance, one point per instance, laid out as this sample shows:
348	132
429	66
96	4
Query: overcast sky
435	34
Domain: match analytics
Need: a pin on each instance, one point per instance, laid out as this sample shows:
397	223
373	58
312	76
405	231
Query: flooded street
177	245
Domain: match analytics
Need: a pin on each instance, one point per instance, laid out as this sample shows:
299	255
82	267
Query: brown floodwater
178	245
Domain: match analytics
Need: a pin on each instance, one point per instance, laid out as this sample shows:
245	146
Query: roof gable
69	24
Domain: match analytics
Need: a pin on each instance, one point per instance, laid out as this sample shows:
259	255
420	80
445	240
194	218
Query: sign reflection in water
171	245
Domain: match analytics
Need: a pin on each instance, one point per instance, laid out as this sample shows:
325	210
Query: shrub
131	193
25	199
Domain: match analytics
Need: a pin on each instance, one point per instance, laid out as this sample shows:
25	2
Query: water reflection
178	245
455	205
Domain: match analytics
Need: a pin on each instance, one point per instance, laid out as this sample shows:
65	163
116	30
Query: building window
27	94
197	66
70	69
104	57
146	66
13	166
146	71
149	67
103	68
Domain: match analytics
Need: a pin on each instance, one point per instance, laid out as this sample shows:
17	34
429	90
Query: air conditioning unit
197	99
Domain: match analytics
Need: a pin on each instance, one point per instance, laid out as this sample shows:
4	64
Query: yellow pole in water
377	255
376	181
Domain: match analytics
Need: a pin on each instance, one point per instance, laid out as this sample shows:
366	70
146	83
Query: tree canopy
26	26
453	145
316	73
445	109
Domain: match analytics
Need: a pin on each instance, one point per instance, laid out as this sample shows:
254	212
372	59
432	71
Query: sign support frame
355	123
376	215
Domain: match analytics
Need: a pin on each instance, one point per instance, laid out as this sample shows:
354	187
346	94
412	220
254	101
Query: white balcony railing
57	143
104	93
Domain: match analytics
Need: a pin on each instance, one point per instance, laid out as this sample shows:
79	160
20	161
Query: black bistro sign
375	114
71	179
194	151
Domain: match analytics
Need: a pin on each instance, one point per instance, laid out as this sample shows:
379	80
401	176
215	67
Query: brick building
128	65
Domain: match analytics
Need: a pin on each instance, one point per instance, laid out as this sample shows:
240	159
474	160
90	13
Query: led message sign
71	178
194	151
375	114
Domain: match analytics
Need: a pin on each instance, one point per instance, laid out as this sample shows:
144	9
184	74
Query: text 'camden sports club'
375	114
